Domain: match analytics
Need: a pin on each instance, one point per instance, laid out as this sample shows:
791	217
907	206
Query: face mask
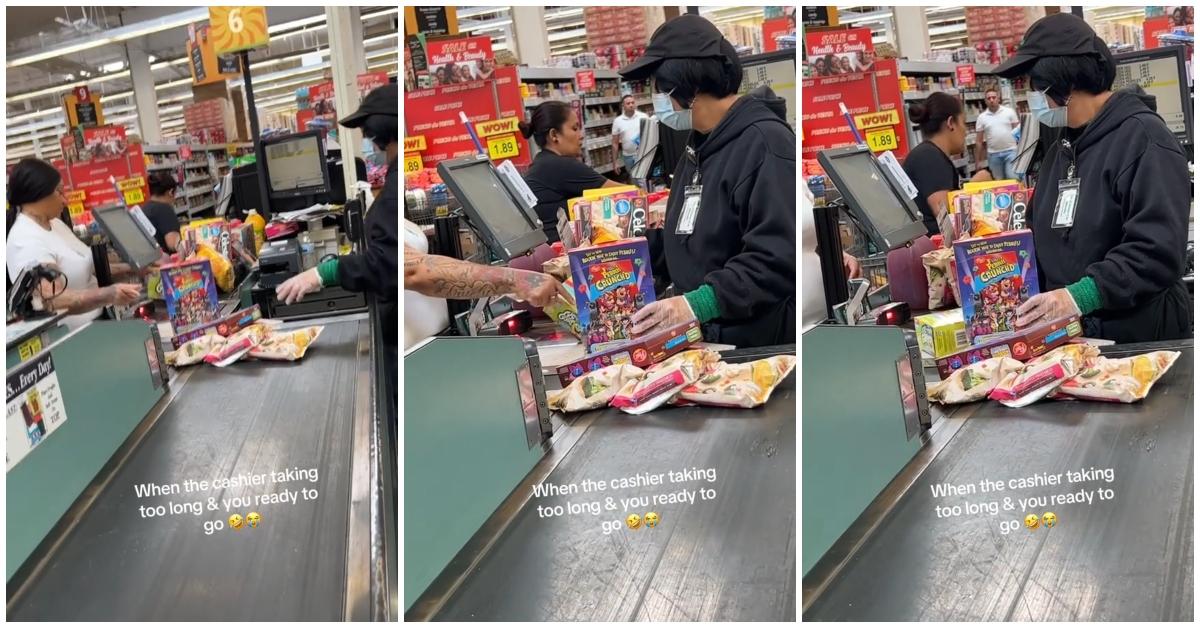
1042	111
678	120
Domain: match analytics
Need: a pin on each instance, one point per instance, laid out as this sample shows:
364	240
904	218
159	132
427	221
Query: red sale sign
585	80
833	53
965	74
823	125
434	114
460	60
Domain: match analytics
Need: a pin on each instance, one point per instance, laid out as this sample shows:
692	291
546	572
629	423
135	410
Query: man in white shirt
994	133
626	132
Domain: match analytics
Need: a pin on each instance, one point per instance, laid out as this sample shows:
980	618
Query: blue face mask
1040	108
665	111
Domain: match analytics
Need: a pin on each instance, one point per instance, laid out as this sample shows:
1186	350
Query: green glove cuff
328	271
704	303
1086	295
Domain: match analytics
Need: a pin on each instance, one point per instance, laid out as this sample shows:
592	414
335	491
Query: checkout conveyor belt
732	558
248	418
1125	559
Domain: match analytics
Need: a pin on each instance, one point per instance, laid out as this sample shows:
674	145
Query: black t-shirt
554	180
931	171
163	217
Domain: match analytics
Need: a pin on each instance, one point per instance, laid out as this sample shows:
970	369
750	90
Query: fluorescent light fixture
116	35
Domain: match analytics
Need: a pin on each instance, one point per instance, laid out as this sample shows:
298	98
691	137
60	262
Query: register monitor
493	206
295	165
890	218
1162	72
132	242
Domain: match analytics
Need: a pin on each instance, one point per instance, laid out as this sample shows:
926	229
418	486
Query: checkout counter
478	436
874	548
130	421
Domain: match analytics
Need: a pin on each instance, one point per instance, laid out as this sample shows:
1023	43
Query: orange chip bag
1122	380
288	345
747	385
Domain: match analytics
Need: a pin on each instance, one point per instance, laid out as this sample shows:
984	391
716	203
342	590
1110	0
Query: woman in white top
36	236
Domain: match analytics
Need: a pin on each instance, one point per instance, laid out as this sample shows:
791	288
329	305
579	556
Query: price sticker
30	348
133	197
413	163
76	210
881	140
503	147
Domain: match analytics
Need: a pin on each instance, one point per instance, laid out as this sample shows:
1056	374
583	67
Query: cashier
944	128
1110	210
728	244
36	236
557	174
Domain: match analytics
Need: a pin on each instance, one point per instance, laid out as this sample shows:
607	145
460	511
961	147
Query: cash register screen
135	246
484	191
866	181
1160	73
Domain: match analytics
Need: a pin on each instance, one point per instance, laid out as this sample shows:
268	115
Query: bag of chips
594	390
664	380
747	385
1043	375
221	267
194	350
238	345
973	382
1122	380
288	345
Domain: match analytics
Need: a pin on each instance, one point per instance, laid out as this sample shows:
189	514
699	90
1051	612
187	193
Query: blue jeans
1001	164
630	161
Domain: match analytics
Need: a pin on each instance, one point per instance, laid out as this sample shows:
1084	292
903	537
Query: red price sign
585	80
966	74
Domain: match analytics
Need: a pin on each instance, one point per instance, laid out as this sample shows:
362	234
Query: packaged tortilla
973	382
941	280
594	390
1121	380
558	267
288	345
664	380
238	345
1043	375
194	350
746	385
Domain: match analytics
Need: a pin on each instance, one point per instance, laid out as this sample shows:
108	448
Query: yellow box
941	334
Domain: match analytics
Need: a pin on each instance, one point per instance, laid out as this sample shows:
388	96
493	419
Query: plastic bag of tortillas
1123	380
973	382
288	345
746	385
194	350
238	345
664	380
594	390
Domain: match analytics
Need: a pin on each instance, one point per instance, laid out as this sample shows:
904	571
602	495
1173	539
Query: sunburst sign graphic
237	28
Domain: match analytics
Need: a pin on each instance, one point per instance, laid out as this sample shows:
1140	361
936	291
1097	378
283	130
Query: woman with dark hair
160	210
557	174
819	67
729	240
831	65
943	126
1110	213
36	236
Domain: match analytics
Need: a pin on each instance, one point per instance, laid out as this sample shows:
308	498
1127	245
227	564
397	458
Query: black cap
688	36
383	100
1058	35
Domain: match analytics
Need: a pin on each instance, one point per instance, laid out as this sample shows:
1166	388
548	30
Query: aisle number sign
232	29
881	140
503	147
497	127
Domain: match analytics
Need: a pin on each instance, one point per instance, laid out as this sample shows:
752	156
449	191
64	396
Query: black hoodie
1130	228
744	240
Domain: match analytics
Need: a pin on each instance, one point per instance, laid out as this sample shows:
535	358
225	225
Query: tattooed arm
448	278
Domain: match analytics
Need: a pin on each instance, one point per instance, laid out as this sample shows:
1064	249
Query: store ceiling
33	89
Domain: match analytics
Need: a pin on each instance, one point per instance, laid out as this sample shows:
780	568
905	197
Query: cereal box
612	281
996	274
190	291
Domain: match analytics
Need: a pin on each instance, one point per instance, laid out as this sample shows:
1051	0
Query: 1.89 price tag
134	196
413	163
503	147
881	140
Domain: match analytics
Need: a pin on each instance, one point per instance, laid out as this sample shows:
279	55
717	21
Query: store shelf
160	148
941	67
598	142
208	205
589	101
922	95
597	124
170	166
198	191
607	168
198	180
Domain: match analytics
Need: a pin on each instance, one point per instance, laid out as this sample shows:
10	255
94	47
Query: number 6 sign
237	28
